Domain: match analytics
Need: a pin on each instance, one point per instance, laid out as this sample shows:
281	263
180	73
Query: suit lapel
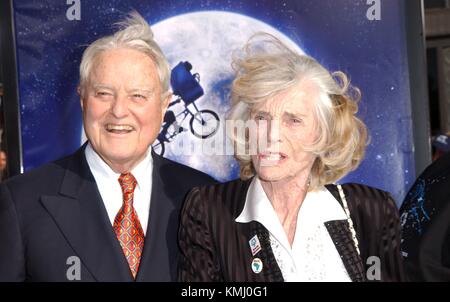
270	271
339	231
343	241
159	250
81	216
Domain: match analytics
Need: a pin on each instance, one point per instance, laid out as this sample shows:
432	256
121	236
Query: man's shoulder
45	178
439	167
431	189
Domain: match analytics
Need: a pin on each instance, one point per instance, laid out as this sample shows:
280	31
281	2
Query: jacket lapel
270	271
343	241
82	218
160	247
339	231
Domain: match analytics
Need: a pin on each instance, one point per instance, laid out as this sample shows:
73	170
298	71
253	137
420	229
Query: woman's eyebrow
262	112
294	115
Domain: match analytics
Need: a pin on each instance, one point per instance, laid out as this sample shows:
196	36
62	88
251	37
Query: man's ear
80	94
165	105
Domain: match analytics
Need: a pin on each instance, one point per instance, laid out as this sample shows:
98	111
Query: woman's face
286	123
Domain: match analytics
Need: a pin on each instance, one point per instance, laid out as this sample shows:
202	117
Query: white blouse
313	255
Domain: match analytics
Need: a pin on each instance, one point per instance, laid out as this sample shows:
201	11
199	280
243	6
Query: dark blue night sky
335	32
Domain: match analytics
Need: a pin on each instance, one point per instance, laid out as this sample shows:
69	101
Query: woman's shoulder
365	198
230	195
371	209
363	190
232	186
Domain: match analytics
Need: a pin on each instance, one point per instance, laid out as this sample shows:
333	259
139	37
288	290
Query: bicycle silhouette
202	124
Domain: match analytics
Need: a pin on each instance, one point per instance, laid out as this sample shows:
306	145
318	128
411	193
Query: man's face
122	107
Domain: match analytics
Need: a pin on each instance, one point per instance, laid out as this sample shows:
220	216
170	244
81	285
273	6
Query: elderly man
109	212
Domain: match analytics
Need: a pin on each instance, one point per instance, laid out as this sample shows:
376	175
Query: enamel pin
255	245
257	265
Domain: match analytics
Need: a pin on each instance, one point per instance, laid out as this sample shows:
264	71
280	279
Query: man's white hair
134	33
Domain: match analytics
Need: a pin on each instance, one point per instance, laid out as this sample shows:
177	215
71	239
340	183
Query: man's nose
119	107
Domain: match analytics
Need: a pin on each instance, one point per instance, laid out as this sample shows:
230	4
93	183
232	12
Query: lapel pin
255	245
257	265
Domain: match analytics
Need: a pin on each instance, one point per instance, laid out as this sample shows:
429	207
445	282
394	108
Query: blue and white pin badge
257	265
255	245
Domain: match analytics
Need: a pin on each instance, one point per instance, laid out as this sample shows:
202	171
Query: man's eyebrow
104	86
146	90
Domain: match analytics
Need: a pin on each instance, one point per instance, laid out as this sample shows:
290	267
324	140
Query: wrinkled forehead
124	64
299	99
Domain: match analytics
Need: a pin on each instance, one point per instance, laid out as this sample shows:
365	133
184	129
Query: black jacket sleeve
12	260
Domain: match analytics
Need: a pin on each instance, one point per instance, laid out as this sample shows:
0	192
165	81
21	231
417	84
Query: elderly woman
285	219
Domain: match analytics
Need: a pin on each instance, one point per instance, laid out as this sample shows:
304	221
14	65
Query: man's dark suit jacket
214	247
56	211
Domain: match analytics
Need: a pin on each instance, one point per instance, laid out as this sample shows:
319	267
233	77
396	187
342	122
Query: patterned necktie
127	226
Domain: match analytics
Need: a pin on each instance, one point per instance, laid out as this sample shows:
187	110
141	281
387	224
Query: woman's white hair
134	33
266	67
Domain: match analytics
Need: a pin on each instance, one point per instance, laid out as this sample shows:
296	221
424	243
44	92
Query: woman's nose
273	131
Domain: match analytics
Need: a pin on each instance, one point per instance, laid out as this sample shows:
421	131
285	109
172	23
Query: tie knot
127	182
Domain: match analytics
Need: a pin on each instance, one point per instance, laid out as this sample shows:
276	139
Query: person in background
425	220
3	165
108	212
285	219
440	144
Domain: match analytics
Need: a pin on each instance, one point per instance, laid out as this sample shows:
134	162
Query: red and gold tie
127	226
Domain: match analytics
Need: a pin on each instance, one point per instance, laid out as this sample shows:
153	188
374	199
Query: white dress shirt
313	255
111	192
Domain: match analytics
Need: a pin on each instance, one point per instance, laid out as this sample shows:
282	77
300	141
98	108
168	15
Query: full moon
207	40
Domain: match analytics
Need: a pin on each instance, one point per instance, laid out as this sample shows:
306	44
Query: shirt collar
256	204
318	207
258	208
142	172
